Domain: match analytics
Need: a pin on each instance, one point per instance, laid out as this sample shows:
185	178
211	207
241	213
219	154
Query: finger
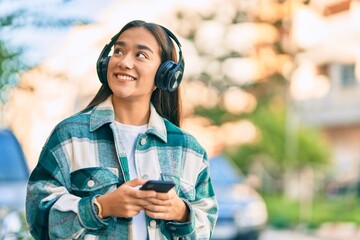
146	194
131	212
135	208
166	196
159	202
153	214
136	182
142	202
157	208
157	214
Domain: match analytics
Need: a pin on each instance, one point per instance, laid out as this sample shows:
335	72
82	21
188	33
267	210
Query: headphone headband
168	75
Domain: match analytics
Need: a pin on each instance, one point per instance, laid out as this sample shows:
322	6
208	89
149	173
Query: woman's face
133	65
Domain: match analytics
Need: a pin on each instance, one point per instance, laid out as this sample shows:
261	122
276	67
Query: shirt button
143	142
90	183
153	223
173	228
146	177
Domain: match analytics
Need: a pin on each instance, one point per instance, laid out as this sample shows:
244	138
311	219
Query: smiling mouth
124	77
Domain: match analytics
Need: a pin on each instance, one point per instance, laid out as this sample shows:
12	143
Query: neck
131	113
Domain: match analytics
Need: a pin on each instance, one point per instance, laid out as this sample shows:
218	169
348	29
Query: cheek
109	67
151	73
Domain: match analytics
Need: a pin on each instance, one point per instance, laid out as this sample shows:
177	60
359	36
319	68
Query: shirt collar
103	113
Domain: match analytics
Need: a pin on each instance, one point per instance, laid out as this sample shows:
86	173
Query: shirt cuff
183	228
87	214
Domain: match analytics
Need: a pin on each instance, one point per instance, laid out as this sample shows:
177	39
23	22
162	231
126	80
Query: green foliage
313	149
10	67
217	115
242	156
281	147
287	148
271	124
285	212
21	16
336	209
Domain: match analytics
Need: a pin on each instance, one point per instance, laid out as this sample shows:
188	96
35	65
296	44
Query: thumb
136	182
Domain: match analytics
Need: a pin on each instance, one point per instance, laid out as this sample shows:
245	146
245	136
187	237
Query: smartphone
158	186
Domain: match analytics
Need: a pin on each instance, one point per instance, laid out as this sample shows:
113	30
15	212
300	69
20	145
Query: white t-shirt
129	135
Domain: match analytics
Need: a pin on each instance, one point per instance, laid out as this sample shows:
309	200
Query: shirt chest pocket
95	180
182	188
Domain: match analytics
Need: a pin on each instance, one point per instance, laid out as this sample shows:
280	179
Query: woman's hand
126	201
167	206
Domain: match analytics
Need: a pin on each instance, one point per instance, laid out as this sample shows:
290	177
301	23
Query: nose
126	62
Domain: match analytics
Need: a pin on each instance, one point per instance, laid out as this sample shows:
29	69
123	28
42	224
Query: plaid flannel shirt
84	157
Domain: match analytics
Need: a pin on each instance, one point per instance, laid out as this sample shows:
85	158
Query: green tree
21	16
10	66
284	144
306	146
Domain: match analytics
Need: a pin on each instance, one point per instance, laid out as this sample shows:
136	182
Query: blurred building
325	84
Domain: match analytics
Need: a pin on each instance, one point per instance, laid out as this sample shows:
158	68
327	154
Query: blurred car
242	211
14	174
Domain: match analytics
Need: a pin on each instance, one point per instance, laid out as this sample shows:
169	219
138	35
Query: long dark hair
166	103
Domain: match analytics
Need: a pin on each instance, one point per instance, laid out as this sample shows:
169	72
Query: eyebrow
139	46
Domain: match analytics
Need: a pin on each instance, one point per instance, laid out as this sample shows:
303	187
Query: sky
38	43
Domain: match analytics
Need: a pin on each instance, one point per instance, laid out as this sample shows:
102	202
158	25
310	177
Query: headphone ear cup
161	77
169	75
102	68
176	76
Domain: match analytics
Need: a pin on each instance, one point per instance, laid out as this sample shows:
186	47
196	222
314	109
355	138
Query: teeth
124	77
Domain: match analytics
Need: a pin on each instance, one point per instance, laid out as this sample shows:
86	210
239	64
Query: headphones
168	75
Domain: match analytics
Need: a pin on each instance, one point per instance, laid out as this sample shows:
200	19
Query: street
338	231
271	234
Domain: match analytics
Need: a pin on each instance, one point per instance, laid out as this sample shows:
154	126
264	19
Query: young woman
86	184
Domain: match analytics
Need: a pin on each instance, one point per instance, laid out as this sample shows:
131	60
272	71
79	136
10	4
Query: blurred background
271	90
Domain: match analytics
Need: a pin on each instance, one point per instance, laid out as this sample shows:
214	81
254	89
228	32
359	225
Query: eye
141	55
117	51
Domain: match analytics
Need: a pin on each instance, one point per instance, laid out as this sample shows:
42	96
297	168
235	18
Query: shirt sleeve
203	211
52	212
